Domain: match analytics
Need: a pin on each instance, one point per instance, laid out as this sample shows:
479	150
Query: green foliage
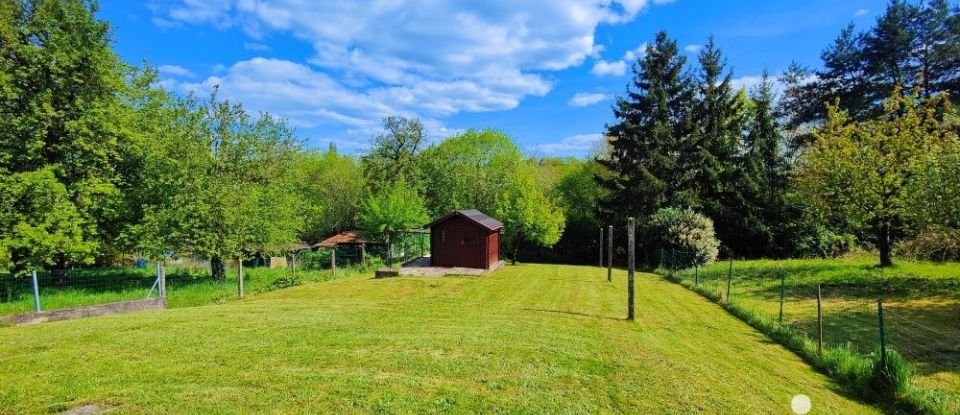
470	170
932	243
395	153
934	191
217	183
393	209
859	172
59	126
331	188
683	230
39	222
527	214
654	122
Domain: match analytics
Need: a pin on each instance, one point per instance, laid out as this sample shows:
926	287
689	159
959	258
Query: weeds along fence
835	318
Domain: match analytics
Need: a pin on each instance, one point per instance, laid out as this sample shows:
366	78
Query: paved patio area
420	267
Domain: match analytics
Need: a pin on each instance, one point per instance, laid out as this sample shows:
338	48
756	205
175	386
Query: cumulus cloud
415	57
615	68
574	145
174	71
619	67
583	99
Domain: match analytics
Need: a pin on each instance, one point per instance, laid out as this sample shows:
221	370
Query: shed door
466	245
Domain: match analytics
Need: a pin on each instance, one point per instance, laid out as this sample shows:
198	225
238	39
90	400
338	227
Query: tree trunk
883	242
217	269
516	249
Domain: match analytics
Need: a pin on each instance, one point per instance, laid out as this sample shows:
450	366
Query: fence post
240	276
609	253
631	262
333	260
883	337
819	323
163	279
783	281
696	275
36	292
601	247
729	277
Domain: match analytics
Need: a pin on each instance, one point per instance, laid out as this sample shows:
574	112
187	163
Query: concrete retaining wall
89	311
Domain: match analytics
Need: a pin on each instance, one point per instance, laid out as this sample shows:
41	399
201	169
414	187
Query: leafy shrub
934	243
314	260
821	242
685	231
285	281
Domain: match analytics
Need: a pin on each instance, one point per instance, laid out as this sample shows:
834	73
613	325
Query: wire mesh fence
923	327
55	290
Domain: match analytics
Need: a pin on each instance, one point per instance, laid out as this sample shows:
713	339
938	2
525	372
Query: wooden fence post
333	260
631	262
729	278
610	253
819	323
883	336
783	281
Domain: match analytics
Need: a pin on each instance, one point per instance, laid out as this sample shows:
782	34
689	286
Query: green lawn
527	339
921	306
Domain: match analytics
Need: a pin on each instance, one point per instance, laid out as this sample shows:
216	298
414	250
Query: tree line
859	153
97	161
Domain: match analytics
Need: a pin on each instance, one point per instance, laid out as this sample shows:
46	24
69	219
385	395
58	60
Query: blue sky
544	71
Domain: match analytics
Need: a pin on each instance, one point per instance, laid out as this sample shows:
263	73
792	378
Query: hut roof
473	215
343	238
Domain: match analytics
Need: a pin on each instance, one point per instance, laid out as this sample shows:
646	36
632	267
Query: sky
544	71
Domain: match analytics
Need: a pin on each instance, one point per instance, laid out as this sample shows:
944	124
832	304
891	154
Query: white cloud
860	12
583	99
574	145
619	67
692	48
174	71
602	68
416	57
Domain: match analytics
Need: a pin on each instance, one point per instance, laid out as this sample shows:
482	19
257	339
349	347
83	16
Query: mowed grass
526	339
921	307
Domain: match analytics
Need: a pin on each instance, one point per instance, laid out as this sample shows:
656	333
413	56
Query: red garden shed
465	238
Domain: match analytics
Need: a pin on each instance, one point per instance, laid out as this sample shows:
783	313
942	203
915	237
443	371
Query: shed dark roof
473	215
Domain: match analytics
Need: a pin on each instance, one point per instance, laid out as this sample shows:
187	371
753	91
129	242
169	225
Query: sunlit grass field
921	306
526	339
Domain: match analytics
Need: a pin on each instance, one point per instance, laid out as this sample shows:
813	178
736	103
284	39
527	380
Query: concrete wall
89	311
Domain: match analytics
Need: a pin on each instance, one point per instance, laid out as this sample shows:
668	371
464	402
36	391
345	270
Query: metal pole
163	280
883	337
819	323
631	261
783	281
36	292
610	253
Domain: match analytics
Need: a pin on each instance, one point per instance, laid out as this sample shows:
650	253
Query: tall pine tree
647	142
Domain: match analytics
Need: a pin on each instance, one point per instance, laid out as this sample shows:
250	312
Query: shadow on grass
574	313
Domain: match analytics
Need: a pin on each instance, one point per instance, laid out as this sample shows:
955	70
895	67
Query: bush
934	243
314	260
683	230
